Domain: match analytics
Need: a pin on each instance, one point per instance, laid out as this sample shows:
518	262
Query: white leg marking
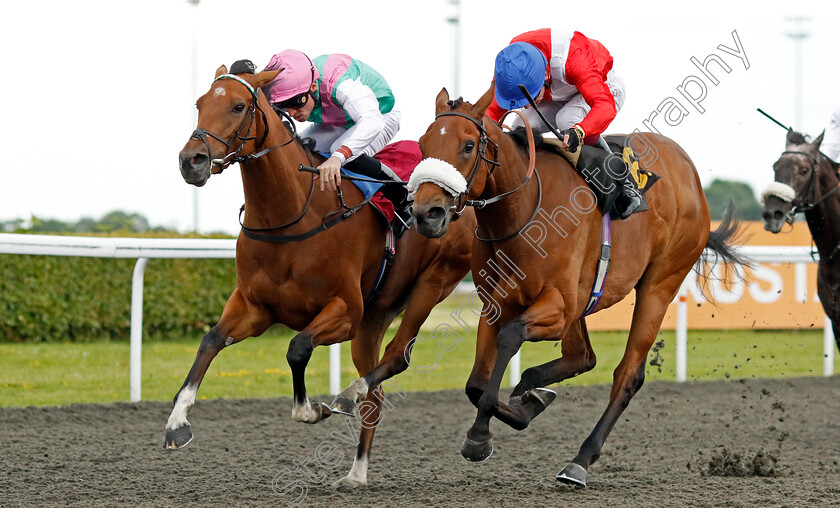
357	391
357	477
186	400
305	413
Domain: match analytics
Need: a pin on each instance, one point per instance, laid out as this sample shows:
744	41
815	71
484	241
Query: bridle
233	156
262	234
810	202
484	142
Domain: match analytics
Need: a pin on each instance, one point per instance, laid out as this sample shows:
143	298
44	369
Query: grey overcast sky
98	96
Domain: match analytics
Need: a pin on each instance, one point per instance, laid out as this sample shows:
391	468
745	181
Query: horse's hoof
541	396
343	406
178	438
325	411
475	451
348	482
316	412
572	474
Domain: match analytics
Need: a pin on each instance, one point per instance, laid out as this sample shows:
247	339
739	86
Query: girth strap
385	268
602	268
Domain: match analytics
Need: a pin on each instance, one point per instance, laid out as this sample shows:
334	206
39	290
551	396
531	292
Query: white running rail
144	249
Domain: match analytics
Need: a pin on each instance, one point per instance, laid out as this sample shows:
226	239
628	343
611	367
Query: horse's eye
804	171
469	147
239	108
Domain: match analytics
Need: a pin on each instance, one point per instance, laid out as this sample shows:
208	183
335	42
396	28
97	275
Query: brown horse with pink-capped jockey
313	261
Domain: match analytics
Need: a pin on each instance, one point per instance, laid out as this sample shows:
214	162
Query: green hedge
48	298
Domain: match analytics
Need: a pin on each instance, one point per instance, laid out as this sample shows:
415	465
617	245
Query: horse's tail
719	247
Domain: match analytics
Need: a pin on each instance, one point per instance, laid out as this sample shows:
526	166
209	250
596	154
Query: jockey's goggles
295	102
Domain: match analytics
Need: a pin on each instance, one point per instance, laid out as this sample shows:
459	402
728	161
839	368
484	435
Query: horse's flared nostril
198	161
434	214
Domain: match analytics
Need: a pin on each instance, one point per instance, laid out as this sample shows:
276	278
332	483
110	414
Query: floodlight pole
455	20
194	3
798	35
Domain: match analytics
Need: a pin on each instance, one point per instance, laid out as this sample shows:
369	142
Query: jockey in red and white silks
571	79
576	80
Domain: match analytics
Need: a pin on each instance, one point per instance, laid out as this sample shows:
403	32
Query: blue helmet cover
518	64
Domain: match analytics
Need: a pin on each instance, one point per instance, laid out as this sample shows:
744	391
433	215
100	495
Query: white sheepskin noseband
780	190
440	173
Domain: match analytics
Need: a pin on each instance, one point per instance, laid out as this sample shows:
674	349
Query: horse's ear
442	101
484	102
791	138
263	78
221	70
816	143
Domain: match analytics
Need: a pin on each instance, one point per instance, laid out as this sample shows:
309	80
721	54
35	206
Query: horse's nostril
198	160
435	214
778	215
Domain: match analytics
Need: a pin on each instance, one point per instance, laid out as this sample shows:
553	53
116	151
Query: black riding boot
396	193
629	199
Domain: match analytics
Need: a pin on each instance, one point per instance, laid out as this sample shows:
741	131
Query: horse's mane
520	136
456	103
243	66
797	138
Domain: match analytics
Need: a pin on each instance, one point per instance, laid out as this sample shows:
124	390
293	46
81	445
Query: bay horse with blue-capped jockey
542	239
310	260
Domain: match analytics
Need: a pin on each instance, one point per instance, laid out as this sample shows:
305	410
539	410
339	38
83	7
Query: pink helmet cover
297	76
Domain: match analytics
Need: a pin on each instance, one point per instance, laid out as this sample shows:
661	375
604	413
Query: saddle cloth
402	157
590	156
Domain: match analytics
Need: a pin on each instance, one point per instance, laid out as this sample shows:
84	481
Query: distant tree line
112	222
719	192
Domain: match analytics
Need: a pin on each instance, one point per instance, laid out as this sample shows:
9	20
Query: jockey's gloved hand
575	138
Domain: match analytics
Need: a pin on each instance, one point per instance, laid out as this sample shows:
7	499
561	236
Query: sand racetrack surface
753	443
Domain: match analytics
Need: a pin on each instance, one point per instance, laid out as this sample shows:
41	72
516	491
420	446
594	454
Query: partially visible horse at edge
303	266
806	182
540	268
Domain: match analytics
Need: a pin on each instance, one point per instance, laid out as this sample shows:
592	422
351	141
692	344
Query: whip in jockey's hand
572	138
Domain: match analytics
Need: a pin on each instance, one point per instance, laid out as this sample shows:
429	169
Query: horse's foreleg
332	325
397	355
365	349
578	357
629	376
478	445
239	321
544	320
835	327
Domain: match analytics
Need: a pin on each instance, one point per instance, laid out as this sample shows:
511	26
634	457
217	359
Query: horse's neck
824	219
513	210
275	191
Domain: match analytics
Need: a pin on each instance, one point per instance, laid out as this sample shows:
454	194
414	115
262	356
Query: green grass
98	372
